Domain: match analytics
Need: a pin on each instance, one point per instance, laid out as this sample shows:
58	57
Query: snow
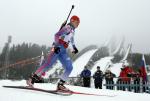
103	63
79	64
116	68
8	94
127	53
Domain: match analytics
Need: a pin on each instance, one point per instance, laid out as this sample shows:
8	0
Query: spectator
109	79
125	77
98	77
86	75
136	81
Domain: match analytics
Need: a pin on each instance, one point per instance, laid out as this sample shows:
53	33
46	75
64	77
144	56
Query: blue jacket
85	73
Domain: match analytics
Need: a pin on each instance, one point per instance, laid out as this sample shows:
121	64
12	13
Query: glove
75	49
56	50
65	44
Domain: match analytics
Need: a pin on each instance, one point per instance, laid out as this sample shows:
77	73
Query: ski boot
32	79
61	87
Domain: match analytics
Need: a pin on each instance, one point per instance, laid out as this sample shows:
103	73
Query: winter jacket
109	76
124	74
66	34
98	76
85	73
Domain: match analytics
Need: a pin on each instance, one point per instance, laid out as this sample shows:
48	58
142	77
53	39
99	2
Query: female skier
63	38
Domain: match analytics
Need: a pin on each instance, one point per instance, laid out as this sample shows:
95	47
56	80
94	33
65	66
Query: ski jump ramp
79	64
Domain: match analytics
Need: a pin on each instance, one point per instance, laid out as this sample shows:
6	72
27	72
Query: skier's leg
48	64
67	64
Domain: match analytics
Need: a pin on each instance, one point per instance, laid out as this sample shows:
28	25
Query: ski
80	93
64	93
58	92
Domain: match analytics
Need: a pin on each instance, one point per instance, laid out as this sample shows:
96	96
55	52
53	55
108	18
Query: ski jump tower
7	57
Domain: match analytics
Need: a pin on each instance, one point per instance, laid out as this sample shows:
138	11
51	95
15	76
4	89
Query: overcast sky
37	21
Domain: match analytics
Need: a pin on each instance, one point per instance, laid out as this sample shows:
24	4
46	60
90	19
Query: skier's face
75	23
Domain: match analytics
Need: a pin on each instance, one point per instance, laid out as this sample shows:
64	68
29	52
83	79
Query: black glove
75	49
56	50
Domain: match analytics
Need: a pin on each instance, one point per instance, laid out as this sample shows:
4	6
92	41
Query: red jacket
124	73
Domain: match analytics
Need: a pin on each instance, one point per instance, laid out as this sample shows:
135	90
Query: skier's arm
60	34
75	50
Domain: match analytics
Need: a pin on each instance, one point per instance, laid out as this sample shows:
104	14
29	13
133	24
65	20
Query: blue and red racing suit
63	38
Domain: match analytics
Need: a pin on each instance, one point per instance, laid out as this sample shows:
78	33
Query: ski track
8	94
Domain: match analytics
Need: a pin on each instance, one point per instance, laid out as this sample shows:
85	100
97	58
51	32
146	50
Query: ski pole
67	18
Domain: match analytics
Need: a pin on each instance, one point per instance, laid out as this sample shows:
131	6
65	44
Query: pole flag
143	68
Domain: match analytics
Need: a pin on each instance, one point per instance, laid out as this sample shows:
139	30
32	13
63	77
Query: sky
36	21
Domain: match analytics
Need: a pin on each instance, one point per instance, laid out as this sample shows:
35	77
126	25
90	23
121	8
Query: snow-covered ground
7	94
